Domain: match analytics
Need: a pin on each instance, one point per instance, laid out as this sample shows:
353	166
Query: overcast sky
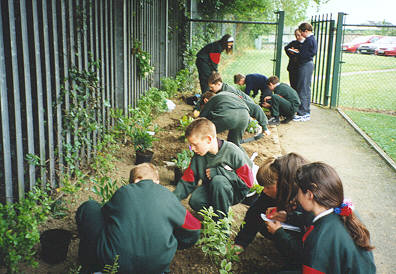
360	11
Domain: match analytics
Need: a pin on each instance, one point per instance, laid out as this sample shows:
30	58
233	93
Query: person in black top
306	53
208	58
291	51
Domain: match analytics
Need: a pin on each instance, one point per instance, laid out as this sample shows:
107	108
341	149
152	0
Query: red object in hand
272	212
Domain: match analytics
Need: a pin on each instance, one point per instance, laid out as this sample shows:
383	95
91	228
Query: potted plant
181	163
143	142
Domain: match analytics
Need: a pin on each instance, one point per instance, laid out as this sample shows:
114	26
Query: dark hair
214	78
273	80
305	26
238	77
208	94
224	41
286	168
326	186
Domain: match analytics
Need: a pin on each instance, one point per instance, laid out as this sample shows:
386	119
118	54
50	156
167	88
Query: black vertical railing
41	41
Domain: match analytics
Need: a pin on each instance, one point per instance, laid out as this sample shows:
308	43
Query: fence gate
327	60
257	47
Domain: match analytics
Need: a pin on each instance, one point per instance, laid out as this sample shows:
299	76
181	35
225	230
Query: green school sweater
223	106
145	224
230	161
289	94
328	248
255	111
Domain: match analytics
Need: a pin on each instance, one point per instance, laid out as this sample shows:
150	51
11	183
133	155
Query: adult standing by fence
306	53
208	58
291	52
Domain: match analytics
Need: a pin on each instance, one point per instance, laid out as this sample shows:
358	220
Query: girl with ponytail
336	242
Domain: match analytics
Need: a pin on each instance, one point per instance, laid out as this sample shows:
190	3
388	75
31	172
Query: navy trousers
304	80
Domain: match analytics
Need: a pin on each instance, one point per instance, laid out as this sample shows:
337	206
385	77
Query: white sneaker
306	117
298	118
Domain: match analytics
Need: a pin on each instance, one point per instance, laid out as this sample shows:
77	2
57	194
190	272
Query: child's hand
208	173
267	132
272	227
266	105
270	212
280	216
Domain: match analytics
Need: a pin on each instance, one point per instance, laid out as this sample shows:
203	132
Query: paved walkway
368	181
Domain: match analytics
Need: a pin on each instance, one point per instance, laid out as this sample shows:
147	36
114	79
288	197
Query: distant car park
369	48
353	45
386	50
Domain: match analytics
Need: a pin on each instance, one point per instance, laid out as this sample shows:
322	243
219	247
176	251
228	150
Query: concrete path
368	181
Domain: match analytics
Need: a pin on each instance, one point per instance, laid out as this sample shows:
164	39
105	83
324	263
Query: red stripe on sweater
307	233
310	270
190	222
188	175
245	173
215	57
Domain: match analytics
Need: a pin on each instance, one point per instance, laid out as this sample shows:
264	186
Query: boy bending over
143	224
224	169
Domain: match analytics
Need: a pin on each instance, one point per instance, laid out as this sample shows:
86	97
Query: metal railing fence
41	40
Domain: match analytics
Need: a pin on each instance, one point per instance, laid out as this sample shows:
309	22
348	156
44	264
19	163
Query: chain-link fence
368	73
254	46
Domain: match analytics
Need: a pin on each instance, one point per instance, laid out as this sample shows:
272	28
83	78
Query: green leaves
183	159
144	67
215	241
19	232
104	187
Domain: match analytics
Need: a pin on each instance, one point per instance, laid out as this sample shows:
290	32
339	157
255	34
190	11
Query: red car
387	50
355	43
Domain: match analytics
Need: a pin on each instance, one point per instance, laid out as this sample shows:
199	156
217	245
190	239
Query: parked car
355	43
387	50
369	48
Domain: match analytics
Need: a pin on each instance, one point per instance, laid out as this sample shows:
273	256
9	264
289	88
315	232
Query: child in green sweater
336	242
143	224
225	170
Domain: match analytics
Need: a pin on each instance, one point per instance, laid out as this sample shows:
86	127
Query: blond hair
144	171
202	127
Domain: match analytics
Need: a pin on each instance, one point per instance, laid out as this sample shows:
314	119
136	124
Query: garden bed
259	257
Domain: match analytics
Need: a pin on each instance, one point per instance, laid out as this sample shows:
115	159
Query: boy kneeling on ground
284	101
225	170
143	224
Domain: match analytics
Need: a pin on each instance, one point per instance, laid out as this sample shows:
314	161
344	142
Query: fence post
279	36
337	61
328	63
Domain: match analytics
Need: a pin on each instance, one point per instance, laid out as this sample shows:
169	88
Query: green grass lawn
366	62
380	127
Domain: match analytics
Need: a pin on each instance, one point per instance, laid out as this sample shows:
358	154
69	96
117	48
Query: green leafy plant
144	67
185	121
19	233
142	139
215	241
183	159
169	85
252	126
257	188
104	187
112	269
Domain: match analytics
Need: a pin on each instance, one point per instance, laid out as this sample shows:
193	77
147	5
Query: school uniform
329	248
143	223
231	179
284	101
257	82
208	59
292	66
255	111
308	50
228	112
287	242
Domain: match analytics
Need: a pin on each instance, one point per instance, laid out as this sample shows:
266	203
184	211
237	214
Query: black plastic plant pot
143	156
54	245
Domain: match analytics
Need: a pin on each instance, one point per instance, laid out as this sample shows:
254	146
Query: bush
19	232
169	85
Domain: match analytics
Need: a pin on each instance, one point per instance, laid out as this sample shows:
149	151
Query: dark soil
260	257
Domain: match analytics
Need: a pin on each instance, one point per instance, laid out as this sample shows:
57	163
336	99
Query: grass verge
380	127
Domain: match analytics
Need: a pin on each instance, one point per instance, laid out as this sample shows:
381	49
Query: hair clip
345	209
